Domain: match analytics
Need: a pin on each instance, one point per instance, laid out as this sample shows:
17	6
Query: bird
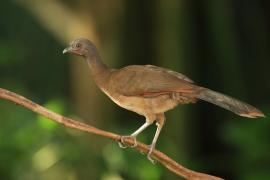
150	90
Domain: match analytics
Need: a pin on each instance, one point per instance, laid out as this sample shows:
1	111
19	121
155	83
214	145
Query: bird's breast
143	105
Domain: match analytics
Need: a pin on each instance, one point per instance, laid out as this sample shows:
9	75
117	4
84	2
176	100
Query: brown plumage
150	90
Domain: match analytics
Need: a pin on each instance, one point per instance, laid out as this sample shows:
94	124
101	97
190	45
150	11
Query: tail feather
229	103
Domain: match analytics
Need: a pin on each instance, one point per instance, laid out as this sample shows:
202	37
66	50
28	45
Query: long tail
229	103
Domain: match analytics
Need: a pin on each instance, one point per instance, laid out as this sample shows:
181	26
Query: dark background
220	44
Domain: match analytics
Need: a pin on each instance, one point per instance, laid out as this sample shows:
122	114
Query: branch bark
157	155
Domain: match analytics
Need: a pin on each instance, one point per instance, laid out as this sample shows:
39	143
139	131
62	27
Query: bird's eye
78	45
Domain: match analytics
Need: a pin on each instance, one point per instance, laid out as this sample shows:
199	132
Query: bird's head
81	47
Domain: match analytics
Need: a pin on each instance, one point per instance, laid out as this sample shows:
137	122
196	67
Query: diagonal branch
157	155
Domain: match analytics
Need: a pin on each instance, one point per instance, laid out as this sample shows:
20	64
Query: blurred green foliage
249	140
223	45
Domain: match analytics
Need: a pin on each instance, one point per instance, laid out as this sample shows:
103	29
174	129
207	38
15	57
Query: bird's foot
122	144
152	147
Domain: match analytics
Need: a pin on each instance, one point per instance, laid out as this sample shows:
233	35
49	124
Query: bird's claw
152	147
151	159
122	144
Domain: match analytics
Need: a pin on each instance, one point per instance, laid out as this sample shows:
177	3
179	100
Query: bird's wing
164	70
149	80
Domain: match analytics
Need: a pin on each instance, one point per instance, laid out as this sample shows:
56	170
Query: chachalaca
150	90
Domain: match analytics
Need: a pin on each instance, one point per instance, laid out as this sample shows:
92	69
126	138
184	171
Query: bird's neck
99	70
95	64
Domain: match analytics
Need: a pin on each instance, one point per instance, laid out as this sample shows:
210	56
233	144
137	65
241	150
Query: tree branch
157	155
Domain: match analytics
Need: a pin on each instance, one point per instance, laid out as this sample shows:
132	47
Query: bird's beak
66	50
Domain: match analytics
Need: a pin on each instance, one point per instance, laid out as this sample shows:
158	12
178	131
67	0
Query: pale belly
144	106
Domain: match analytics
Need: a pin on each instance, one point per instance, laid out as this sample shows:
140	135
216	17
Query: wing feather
149	80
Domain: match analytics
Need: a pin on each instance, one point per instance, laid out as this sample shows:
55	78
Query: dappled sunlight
111	176
56	106
113	157
46	157
63	23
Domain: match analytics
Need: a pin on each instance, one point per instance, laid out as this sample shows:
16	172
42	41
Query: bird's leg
159	122
134	135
